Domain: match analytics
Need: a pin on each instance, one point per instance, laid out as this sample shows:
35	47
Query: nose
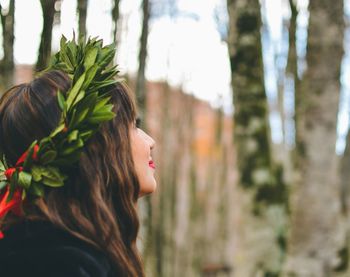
148	139
152	143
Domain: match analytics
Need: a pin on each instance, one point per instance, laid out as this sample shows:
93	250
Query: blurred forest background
253	177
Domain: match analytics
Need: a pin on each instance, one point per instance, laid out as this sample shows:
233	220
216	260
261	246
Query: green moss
343	254
247	22
275	193
282	241
271	274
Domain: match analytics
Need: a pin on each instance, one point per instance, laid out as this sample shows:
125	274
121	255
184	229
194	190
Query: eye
138	122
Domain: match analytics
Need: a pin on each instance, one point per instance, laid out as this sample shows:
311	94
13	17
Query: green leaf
24	179
90	74
86	107
86	135
36	173
55	183
80	96
90	58
73	147
57	130
61	101
29	159
101	103
72	52
52	177
3	184
105	108
74	91
79	70
37	189
48	156
73	136
2	166
72	119
54	59
63	54
45	144
98	85
107	55
11	193
82	115
64	57
13	185
63	42
4	162
100	117
89	102
109	74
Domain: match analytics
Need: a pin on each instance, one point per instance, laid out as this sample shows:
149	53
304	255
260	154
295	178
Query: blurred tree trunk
140	81
288	92
264	197
48	8
291	70
115	18
345	205
7	62
163	228
82	12
154	222
316	231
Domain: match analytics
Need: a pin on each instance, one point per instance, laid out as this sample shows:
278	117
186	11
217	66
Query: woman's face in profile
141	146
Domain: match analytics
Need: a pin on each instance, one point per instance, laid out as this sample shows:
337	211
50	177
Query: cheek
141	155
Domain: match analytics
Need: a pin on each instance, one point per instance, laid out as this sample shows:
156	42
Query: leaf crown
84	107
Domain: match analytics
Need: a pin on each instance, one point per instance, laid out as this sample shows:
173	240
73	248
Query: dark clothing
38	249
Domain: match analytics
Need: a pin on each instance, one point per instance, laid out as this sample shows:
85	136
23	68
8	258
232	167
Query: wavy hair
98	202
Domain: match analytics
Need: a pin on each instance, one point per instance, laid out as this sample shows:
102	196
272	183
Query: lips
151	164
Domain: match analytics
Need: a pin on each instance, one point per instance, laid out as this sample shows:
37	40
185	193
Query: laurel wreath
84	107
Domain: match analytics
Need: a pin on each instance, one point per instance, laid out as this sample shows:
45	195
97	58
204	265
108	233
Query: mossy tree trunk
115	18
317	236
82	13
291	70
262	232
345	206
140	80
7	63
287	93
48	9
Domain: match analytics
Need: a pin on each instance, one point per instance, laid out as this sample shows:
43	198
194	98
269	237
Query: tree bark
7	63
291	69
264	196
316	231
82	12
140	81
48	8
115	18
345	206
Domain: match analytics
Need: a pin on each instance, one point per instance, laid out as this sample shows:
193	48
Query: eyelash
138	123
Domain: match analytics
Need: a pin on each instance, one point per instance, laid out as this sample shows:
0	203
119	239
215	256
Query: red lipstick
151	164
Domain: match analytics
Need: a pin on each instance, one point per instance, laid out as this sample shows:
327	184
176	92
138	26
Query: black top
38	249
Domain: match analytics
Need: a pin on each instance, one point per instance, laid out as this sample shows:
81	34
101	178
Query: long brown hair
98	202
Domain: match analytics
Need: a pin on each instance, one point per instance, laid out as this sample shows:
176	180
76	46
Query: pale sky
186	52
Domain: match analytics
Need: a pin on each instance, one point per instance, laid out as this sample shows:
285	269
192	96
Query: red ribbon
15	204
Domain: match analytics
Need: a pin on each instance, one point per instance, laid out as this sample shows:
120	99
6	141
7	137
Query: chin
148	189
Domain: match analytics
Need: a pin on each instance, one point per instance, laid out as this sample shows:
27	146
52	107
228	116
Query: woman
89	226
